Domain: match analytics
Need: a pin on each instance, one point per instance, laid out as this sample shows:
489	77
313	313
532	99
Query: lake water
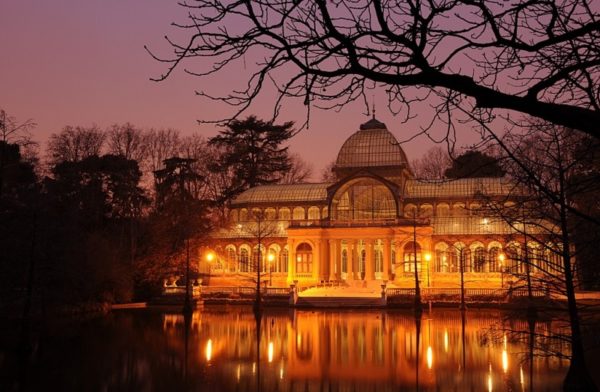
216	349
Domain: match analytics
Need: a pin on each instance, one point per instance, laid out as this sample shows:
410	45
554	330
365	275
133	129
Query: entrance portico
347	254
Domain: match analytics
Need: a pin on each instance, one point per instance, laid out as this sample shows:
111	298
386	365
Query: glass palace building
369	226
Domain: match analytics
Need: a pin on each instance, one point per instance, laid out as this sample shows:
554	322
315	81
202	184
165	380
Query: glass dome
372	146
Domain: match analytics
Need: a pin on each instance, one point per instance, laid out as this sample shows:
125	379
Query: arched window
426	211
244	260
443	209
243	215
344	260
284	213
494	258
409	256
304	258
363	199
512	260
283	259
441	262
270	214
479	259
230	253
256	262
298	213
458	255
458	209
271	258
233	216
410	210
313	213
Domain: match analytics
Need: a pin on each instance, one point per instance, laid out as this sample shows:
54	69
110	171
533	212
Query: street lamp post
270	259
428	259
209	258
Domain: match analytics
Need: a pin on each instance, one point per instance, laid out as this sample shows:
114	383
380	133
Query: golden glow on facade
208	350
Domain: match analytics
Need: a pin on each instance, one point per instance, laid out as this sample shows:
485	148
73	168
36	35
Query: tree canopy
536	57
472	164
253	151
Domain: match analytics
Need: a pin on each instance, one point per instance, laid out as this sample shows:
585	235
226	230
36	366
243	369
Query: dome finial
373	104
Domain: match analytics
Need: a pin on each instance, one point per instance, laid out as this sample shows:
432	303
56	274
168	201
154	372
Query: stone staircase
340	302
341	297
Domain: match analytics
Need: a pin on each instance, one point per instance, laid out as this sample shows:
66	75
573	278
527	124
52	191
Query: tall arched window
479	259
313	213
284	213
244	260
298	213
494	258
283	259
304	258
441	262
231	257
344	260
409	256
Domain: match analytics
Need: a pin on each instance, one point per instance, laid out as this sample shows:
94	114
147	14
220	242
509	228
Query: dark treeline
106	215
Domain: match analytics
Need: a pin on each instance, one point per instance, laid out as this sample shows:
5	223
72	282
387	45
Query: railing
244	290
471	294
180	290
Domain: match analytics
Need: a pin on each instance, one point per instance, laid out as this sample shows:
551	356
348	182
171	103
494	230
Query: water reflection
228	349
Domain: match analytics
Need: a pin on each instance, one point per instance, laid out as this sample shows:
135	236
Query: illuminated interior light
208	350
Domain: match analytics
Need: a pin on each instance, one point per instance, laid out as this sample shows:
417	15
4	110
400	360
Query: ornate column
351	259
291	260
316	268
387	253
333	272
369	264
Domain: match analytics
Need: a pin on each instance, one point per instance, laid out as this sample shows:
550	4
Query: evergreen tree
253	150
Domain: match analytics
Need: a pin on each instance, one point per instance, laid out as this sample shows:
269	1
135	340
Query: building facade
375	224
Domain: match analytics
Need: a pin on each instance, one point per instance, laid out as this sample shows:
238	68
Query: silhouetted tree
300	171
472	164
74	144
15	134
432	165
126	140
253	150
544	161
536	57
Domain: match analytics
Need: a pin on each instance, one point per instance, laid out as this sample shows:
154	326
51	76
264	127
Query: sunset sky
68	62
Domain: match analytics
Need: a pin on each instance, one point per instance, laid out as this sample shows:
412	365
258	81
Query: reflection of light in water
505	341
239	372
521	377
253	367
489	380
298	339
429	357
270	354
281	372
208	350
446	340
504	361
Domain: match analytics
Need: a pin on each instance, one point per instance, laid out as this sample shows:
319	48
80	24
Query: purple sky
74	62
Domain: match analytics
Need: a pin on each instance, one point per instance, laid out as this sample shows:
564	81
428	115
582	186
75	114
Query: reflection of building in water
377	348
363	226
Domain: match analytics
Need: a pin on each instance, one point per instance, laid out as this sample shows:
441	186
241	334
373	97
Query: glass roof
469	225
372	146
284	193
467	187
270	229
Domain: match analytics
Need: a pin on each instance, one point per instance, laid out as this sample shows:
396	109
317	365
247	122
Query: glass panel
364	199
